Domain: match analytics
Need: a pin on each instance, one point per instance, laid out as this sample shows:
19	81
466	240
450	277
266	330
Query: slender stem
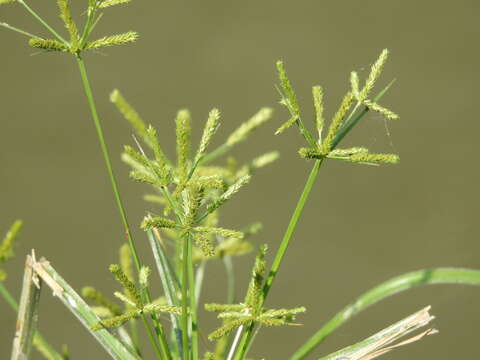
291	227
185	342
108	163
235	342
41	21
193	302
386	289
8	297
118	199
227	260
13	28
219	151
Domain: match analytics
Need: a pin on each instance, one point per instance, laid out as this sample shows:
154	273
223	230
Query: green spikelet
375	72
127	284
6	1
242	132
108	3
116	321
6	247
67	18
145	178
204	243
130	115
317	93
254	293
286	125
337	121
355	84
98	298
368	158
385	112
227	328
232	190
309	153
219	231
126	261
157	222
160	157
289	97
265	159
143	276
118	39
210	129
224	307
49	45
183	133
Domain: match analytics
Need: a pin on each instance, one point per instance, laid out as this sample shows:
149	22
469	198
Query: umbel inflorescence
182	228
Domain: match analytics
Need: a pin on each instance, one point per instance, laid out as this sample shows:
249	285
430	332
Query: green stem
246	337
41	21
20	31
219	151
8	297
118	199
193	302
108	163
185	267
386	289
291	227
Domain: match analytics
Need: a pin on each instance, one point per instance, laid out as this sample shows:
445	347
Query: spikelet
242	132
317	93
375	72
6	1
254	293
118	39
204	243
355	84
143	276
49	44
390	115
130	115
70	25
289	97
157	222
211	127
127	284
310	153
6	247
232	190
337	122
367	158
183	134
219	231
161	159
108	3
98	298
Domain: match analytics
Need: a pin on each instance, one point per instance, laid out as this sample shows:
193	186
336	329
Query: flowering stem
91	102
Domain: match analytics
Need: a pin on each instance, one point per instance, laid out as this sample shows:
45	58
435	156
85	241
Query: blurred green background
362	225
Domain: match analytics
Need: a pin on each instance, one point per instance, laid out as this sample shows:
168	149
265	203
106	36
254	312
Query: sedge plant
184	233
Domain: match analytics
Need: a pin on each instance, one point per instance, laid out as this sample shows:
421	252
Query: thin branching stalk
185	315
193	303
118	199
43	22
27	313
384	290
350	122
